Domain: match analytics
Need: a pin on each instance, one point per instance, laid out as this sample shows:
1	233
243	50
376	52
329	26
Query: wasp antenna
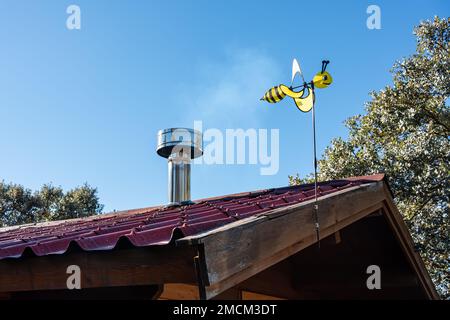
324	65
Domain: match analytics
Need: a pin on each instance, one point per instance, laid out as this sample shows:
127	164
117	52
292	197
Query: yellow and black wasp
303	102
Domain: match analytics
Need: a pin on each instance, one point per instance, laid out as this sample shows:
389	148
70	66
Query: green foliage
19	205
405	134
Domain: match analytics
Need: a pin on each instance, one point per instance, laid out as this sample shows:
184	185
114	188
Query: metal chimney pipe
179	180
179	146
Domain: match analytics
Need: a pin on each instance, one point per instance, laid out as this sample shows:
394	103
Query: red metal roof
157	225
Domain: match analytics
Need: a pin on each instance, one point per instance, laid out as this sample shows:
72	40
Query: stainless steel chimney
179	146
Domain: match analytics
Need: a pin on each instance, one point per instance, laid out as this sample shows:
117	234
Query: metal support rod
304	85
316	205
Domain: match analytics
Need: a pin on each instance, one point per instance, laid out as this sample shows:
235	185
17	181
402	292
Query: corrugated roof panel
156	226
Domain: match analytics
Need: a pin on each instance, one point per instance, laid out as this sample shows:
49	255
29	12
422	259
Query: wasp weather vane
305	102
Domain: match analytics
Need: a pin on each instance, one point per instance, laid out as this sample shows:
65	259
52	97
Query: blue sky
85	105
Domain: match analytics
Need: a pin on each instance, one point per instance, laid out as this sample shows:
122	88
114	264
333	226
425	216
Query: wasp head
322	79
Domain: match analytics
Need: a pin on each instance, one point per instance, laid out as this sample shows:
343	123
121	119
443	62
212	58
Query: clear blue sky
85	105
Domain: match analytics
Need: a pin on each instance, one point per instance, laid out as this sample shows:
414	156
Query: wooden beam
248	295
110	293
120	267
179	291
276	281
230	294
341	270
403	236
183	291
336	271
239	250
337	237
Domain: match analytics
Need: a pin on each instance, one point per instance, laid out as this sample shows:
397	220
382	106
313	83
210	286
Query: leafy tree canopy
405	134
19	205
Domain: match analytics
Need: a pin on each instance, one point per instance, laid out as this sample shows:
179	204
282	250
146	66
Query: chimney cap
189	140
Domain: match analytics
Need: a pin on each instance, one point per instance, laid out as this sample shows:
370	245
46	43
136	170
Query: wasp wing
287	91
305	104
296	69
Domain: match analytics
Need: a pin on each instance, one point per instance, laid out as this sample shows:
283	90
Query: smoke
229	92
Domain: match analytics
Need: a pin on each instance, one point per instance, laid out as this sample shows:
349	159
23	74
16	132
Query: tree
19	205
405	134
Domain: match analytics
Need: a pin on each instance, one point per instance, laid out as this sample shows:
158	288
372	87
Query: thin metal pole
304	85
316	205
